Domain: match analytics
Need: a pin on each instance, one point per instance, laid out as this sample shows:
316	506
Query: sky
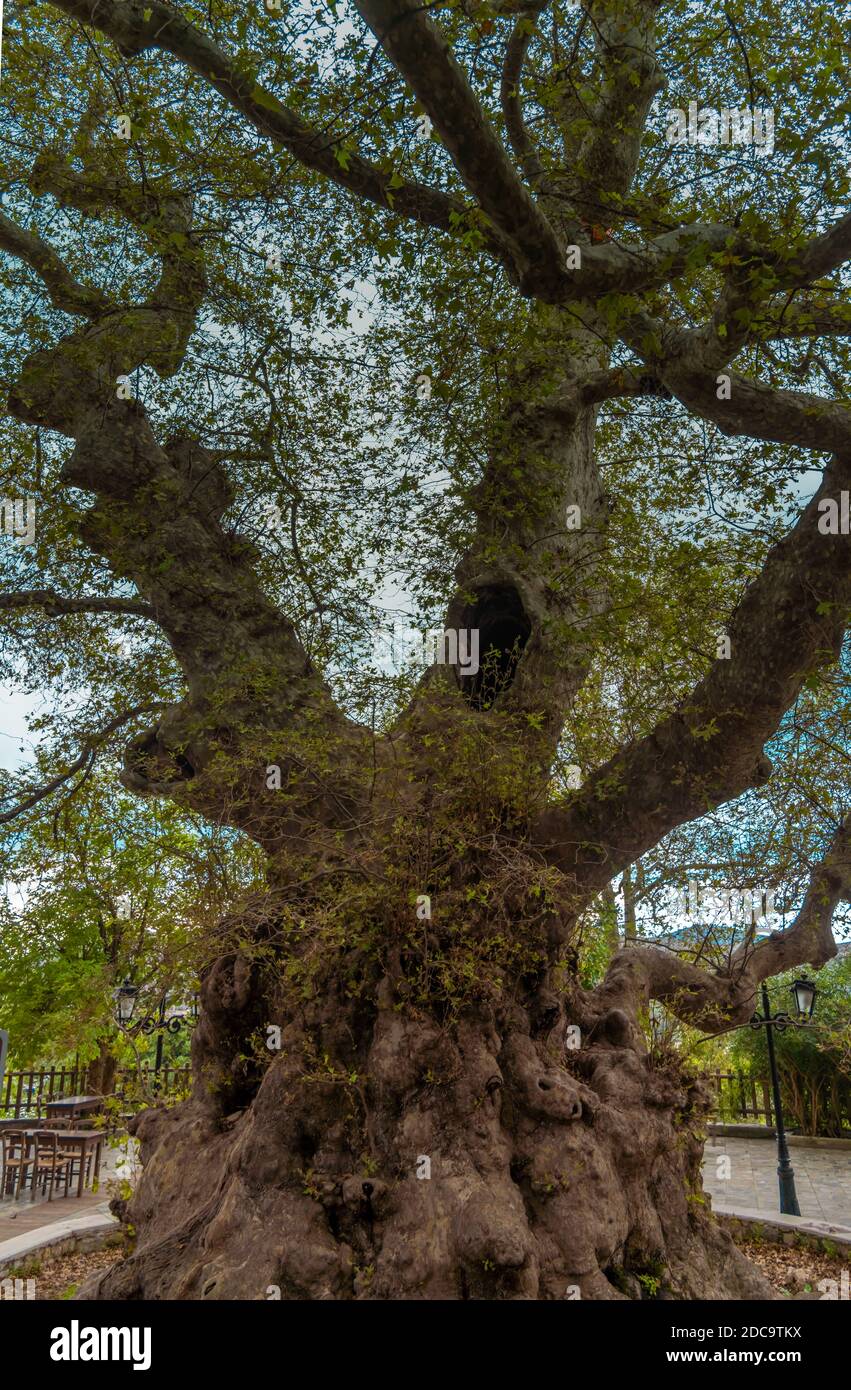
14	708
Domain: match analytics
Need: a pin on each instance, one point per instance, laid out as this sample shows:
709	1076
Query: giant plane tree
531	320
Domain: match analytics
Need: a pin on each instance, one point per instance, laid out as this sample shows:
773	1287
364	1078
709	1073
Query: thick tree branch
521	236
818	256
629	77
61	386
690	364
810	938
612	383
630	268
418	50
512	107
164	218
55	605
158	521
791	619
137	26
727	997
65	292
763	412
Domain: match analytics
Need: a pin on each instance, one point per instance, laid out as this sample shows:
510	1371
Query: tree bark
100	1074
383	1155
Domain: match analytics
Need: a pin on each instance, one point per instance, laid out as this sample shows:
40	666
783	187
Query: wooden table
73	1106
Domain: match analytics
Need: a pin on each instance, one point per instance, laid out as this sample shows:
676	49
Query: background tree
266	278
103	890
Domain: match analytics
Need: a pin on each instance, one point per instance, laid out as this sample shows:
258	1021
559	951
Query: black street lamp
804	993
125	1002
162	1025
805	998
125	999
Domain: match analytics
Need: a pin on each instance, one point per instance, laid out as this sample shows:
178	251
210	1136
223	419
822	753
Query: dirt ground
59	1278
795	1271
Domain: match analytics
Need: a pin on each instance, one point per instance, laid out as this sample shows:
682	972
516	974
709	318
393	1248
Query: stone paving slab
822	1178
18	1217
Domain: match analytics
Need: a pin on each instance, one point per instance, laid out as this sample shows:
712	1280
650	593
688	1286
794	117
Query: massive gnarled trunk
448	1114
386	1155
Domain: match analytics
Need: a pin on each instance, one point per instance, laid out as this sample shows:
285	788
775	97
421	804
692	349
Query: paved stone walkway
17	1218
749	1182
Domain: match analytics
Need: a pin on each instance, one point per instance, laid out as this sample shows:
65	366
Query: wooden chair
60	1122
50	1162
17	1154
75	1153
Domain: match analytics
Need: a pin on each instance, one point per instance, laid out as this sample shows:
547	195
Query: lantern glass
125	998
804	993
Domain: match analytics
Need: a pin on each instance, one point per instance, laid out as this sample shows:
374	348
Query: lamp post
158	1060
4	1052
804	993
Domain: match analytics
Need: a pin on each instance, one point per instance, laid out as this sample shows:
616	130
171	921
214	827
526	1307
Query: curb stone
76	1233
784	1230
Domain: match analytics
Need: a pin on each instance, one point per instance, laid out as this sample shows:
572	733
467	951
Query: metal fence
26	1093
